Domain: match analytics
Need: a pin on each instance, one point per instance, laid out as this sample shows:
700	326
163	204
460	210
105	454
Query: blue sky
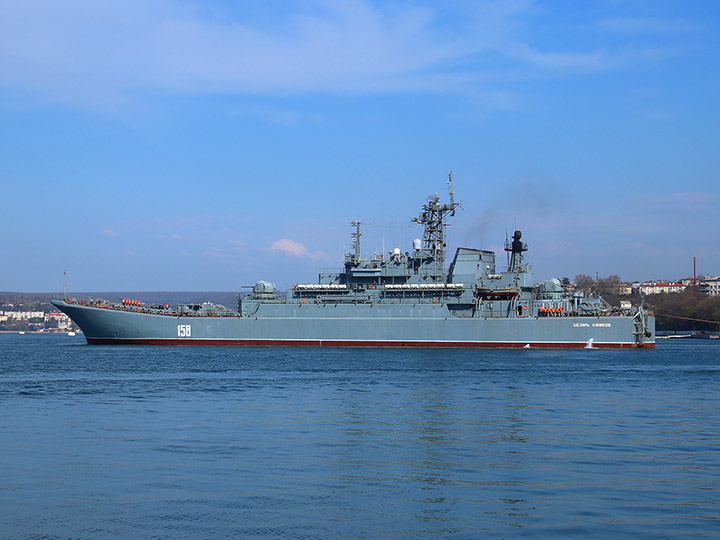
179	145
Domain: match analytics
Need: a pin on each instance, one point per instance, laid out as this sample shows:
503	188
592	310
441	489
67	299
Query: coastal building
623	289
63	321
24	315
709	285
657	287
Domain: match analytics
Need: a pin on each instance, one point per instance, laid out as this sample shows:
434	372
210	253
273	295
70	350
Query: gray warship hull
387	300
342	326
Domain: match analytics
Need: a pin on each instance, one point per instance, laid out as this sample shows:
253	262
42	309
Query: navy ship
394	299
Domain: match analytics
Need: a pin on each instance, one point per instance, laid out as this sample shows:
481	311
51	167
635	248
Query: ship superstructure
392	299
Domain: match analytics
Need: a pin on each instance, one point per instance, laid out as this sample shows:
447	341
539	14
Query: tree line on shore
686	310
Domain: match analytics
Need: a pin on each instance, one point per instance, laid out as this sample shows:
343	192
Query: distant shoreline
39	331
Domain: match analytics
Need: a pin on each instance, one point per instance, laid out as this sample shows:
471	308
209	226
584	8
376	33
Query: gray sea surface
220	442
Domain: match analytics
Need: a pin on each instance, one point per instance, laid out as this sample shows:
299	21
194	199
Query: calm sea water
205	442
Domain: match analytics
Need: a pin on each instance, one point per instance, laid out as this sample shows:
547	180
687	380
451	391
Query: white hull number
184	330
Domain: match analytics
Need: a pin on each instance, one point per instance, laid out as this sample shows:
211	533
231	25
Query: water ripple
183	442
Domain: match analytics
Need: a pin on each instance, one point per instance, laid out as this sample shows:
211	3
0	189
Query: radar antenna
515	248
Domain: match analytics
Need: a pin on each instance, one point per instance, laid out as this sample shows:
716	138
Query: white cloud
111	53
108	232
289	246
80	48
285	245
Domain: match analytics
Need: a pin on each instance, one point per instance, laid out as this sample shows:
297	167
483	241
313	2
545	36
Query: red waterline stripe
360	343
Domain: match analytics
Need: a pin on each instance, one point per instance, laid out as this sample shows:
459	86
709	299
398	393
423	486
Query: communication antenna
65	284
451	189
507	252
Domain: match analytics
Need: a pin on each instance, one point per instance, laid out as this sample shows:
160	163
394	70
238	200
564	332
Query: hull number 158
183	330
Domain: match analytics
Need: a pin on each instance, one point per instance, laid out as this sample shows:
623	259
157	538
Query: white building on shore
657	287
709	285
23	315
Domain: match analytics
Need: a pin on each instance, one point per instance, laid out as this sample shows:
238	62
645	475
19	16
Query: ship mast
433	220
356	239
